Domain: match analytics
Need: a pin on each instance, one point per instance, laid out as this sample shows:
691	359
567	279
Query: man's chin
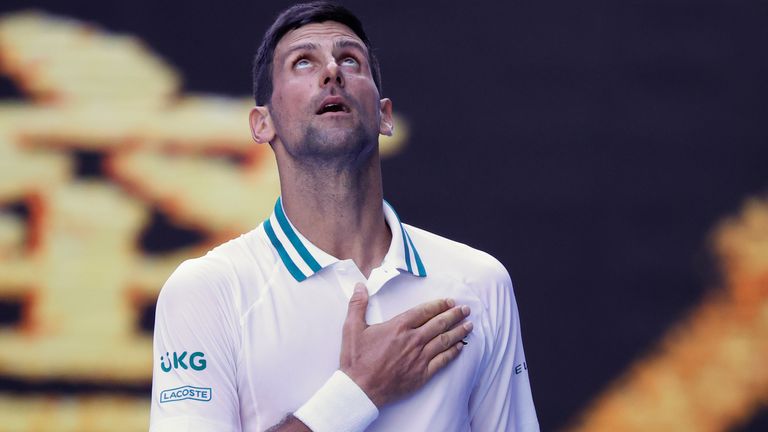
339	139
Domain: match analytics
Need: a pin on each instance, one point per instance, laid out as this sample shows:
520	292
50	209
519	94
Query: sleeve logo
186	392
196	361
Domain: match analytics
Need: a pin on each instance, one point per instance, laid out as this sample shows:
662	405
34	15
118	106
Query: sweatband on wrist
339	405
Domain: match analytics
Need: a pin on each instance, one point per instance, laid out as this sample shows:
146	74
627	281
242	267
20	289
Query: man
332	315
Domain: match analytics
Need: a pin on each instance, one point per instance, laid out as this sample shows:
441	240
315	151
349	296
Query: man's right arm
381	363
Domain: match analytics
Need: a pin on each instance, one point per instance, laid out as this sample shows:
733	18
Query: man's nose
332	73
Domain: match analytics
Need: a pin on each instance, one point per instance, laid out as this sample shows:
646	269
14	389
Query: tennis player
334	315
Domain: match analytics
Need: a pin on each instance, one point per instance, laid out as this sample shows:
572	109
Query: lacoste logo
196	361
186	392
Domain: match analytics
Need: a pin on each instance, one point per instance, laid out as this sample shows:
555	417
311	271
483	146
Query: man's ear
262	129
386	125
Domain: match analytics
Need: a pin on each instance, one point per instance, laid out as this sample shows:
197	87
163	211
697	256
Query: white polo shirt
251	331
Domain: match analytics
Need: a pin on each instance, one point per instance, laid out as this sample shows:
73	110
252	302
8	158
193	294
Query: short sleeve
501	399
196	340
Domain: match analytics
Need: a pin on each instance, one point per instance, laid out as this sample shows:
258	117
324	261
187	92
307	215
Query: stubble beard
335	149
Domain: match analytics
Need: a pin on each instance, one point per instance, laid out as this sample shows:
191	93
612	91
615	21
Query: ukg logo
196	361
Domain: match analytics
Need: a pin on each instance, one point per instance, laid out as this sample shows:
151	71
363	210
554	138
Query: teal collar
303	259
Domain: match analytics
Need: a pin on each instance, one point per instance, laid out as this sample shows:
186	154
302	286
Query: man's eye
302	64
349	61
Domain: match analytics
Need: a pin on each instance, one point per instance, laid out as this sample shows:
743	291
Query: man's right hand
396	357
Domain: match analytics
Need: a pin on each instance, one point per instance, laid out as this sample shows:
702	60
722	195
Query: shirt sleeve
195	347
501	399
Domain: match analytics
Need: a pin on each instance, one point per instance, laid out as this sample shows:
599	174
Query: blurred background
613	155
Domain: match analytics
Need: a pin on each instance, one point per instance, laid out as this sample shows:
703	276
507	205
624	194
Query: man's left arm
501	399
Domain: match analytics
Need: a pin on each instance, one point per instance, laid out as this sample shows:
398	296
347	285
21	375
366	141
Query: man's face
324	100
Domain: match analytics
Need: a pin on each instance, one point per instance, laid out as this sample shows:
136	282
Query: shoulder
448	258
222	274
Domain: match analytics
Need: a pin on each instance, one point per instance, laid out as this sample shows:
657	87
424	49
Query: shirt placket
349	275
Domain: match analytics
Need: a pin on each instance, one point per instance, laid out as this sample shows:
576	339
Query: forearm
289	424
338	406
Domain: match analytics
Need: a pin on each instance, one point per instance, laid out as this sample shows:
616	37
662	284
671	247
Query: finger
448	339
443	322
358	304
418	315
443	359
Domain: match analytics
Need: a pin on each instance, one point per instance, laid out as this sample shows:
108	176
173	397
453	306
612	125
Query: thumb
358	304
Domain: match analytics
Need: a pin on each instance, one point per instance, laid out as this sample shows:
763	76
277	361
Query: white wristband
339	405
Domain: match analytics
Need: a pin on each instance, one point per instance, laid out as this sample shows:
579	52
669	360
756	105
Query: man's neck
339	211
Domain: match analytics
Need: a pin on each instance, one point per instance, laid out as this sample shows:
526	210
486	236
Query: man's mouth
333	107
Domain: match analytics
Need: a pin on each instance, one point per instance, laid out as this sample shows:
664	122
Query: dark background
591	146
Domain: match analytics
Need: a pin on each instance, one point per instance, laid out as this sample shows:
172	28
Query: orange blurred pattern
709	372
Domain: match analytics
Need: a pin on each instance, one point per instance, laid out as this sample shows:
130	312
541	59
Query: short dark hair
293	18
